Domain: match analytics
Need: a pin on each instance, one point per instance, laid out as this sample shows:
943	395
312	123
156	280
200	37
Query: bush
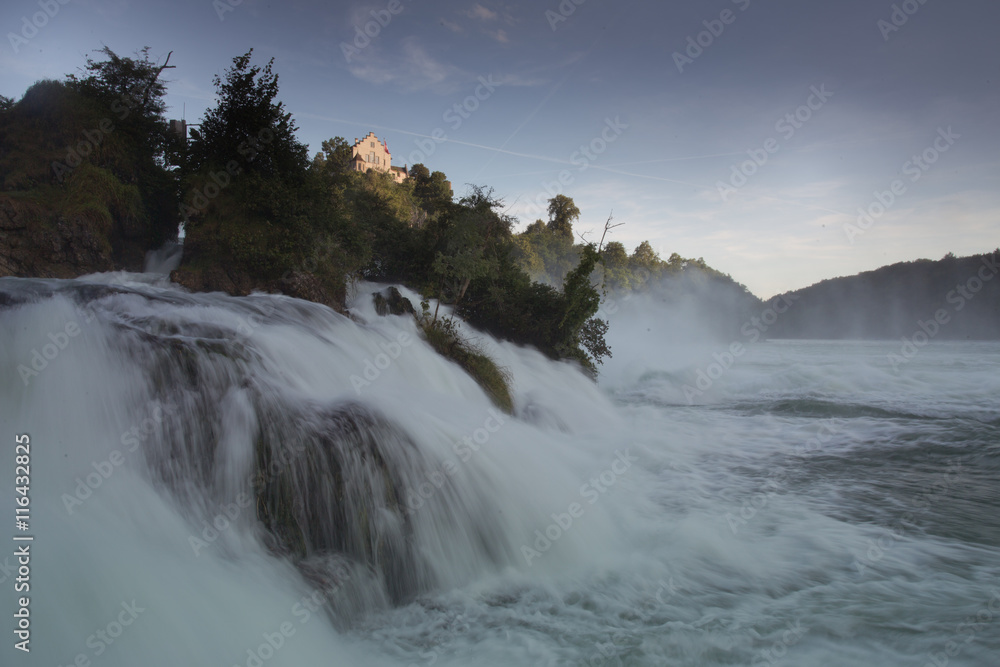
446	340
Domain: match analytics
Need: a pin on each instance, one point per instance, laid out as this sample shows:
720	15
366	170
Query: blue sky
748	133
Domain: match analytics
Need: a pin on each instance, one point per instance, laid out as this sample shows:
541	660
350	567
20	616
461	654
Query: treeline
950	298
85	170
89	166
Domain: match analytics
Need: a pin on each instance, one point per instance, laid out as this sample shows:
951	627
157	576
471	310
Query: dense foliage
94	149
258	211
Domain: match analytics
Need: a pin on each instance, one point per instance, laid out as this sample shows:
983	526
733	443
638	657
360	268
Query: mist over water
815	504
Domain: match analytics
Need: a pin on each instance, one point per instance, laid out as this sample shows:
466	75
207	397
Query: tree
134	83
527	257
430	188
249	126
335	156
614	255
617	273
467	254
139	147
562	213
645	257
578	326
537	227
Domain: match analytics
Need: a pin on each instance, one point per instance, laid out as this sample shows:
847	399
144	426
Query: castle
372	153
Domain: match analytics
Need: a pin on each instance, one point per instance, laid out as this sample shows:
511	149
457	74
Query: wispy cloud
411	69
481	13
500	36
454	27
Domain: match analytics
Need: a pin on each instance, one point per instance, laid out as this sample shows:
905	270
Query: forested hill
954	298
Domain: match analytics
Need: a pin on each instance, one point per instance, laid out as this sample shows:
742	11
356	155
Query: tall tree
139	147
132	86
249	125
562	213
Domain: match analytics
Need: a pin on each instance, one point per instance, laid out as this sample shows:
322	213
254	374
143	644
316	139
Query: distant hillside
964	292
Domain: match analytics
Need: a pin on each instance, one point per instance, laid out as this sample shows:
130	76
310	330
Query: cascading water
261	481
265	430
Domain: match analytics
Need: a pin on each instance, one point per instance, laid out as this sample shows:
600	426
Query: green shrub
448	342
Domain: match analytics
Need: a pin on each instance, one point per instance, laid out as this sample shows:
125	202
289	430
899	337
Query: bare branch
608	227
159	71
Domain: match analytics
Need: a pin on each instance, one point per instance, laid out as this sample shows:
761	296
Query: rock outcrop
297	284
390	302
36	244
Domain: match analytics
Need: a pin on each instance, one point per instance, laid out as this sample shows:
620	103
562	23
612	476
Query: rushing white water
812	506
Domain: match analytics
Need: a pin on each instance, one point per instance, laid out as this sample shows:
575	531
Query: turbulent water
798	503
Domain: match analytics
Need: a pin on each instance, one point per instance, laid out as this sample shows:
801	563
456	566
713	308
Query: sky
783	141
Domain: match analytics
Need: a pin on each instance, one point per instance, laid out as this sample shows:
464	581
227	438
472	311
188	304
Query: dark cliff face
37	242
297	284
34	243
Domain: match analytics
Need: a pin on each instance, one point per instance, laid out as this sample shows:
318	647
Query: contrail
545	158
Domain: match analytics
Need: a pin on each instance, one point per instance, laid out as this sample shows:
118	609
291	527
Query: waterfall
199	447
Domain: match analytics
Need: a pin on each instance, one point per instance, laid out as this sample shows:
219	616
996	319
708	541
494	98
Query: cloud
481	13
500	36
412	69
454	27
